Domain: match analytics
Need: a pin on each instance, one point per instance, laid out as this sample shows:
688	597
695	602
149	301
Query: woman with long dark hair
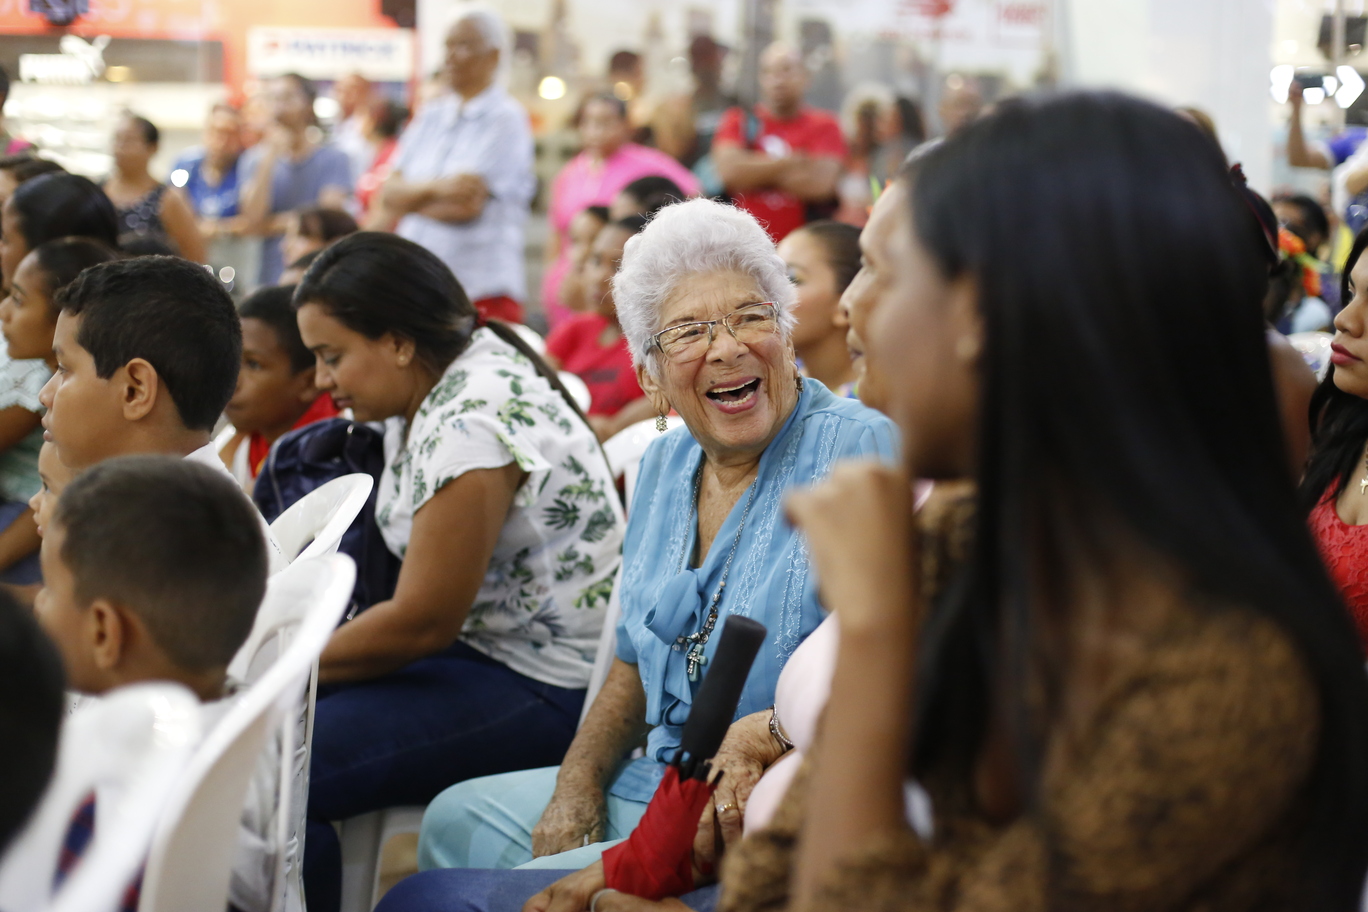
501	506
1143	692
1333	488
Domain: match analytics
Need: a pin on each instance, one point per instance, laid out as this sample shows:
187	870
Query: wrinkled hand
568	819
859	527
745	754
571	893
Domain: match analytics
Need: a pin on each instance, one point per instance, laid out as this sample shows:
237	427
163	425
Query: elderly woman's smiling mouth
735	396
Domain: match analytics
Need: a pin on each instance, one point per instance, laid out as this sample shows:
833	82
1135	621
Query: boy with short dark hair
147	357
275	388
153	569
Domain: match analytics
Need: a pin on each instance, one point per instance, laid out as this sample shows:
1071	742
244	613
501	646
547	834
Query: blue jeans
474	890
402	738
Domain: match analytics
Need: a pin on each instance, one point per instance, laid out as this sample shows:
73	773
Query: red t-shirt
812	132
1344	548
257	447
607	371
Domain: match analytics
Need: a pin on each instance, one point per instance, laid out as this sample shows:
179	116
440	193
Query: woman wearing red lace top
1335	486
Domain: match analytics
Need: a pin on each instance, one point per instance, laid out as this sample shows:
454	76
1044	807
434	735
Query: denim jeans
476	890
402	738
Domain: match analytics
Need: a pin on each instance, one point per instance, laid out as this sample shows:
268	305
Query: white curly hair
687	239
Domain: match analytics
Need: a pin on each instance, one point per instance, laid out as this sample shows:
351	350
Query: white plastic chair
191	857
129	748
577	388
363	839
625	449
314	525
290	598
530	336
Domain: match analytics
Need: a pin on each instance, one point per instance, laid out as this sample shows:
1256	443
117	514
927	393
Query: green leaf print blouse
541	607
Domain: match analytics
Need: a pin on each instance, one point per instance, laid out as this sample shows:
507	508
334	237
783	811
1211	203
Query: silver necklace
694	658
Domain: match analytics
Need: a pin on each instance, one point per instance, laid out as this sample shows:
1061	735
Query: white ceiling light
1313	96
1351	86
1279	78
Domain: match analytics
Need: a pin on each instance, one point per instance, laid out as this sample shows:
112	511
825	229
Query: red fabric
606	370
258	448
500	308
657	859
811	132
368	184
1344	548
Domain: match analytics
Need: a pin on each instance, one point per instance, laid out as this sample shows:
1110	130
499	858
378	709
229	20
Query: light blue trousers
487	823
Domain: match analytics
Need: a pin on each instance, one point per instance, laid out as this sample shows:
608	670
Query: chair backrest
530	336
191	856
290	598
128	748
577	388
314	525
625	449
607	648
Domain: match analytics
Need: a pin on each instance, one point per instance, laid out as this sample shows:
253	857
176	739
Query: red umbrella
657	859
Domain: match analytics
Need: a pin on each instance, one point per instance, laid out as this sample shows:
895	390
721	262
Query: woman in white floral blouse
498	499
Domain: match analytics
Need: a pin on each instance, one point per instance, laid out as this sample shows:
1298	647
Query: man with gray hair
463	179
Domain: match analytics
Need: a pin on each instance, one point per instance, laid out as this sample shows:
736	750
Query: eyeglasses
747	325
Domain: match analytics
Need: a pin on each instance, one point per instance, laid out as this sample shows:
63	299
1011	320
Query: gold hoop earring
661	424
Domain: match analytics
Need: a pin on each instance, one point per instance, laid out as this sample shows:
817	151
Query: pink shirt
582	183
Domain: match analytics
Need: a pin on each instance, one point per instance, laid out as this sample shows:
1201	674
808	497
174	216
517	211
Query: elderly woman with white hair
706	306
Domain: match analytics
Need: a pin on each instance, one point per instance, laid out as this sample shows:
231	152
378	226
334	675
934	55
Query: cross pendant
696	661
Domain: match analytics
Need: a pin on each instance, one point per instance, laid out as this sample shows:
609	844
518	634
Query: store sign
79	62
1020	22
384	55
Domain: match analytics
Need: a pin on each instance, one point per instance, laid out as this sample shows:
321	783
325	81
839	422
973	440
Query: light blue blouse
769	581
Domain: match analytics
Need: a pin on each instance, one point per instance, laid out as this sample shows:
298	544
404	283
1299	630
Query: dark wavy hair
375	283
1339	420
62	260
59	204
1093	225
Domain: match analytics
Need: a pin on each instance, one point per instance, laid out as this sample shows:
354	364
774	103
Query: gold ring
723	808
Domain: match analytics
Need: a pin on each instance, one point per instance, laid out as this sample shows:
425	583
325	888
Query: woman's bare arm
435	591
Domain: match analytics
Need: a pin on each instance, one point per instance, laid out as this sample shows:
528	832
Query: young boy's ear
304	385
140	388
108	629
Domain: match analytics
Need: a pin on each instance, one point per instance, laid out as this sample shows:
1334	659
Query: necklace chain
694	658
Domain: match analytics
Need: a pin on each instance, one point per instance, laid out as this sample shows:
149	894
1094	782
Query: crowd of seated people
1048	621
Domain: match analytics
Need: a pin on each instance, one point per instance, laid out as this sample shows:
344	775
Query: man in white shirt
463	179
